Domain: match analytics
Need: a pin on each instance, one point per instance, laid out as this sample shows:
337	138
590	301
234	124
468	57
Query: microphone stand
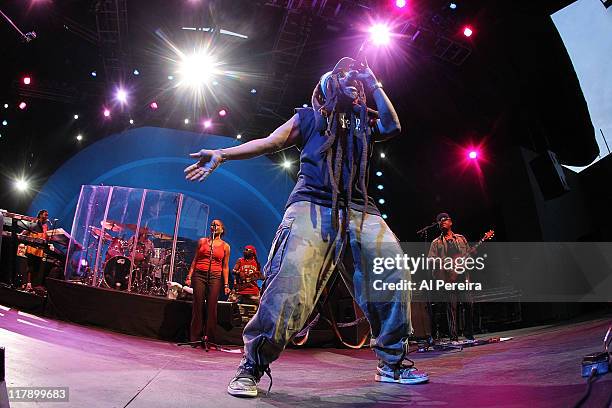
204	342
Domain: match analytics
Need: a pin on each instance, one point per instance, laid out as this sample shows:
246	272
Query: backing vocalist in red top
208	273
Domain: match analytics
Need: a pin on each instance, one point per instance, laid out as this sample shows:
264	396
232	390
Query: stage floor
539	367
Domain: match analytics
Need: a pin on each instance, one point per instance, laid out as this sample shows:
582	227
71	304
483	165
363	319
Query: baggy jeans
304	253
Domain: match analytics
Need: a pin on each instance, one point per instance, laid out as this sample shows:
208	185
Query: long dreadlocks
338	149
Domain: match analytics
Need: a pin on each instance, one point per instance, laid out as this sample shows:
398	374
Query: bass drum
117	272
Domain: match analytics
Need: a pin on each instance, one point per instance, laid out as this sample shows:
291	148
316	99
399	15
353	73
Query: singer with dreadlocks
329	222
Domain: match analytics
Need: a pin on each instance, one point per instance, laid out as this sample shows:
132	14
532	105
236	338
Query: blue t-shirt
313	183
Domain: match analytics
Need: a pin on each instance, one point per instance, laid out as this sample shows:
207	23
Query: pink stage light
27	80
467	31
153	105
207	123
106	113
222	112
473	154
380	34
400	3
22	105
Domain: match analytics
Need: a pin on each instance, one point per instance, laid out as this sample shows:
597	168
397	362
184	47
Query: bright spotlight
379	174
473	154
382	155
384	216
380	34
186	121
170	77
4	123
380	187
27	80
121	95
238	136
207	123
22	185
400	3
253	91
452	6
76	117
196	69
22	105
106	113
136	72
222	112
305	105
6	106
79	137
467	31
94	74
153	105
286	164
131	121
381	201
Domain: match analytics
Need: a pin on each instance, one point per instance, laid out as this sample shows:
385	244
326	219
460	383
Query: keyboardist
35	274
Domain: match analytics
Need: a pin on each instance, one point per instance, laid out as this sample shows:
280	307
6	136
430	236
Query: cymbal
161	235
112	225
98	232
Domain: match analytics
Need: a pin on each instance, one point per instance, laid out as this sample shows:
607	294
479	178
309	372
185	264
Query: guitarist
34	254
450	244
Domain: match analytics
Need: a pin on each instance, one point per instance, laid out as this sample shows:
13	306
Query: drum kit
136	264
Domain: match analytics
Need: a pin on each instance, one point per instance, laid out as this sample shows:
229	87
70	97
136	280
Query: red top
247	274
203	258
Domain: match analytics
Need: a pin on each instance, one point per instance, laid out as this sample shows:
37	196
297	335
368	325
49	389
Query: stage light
222	112
452	6
170	77
380	34
253	91
94	74
467	31
379	173
384	216
380	187
131	121
400	3
27	80
106	113
121	95
136	72
215	83
238	136
153	105
473	154
22	185
186	121
84	262
22	105
381	201
6	106
305	105
382	155
4	123
207	123
286	164
197	69
76	117
79	137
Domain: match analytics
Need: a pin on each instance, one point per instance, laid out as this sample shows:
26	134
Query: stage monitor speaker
550	175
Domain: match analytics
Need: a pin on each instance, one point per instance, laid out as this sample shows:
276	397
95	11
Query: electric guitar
451	275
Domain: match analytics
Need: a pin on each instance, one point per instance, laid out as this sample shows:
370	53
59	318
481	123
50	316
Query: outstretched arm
283	137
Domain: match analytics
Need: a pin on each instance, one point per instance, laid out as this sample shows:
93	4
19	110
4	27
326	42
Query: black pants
204	310
460	314
36	272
